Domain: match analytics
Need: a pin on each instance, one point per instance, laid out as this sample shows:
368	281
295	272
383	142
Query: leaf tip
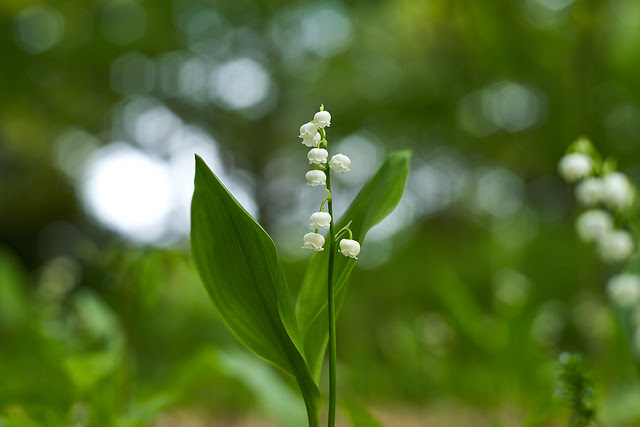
201	167
404	154
400	158
199	160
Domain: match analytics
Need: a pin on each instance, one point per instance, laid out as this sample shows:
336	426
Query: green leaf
377	199
14	303
240	268
626	315
358	415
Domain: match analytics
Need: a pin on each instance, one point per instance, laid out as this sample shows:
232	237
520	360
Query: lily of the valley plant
609	220
240	268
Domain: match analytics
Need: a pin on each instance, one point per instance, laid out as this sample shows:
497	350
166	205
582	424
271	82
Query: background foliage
463	298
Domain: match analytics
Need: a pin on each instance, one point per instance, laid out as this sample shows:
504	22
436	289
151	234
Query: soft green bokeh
461	300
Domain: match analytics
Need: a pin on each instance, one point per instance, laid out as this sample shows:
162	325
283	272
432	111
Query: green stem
312	414
332	315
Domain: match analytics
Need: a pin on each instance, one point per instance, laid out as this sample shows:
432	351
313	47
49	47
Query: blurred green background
461	300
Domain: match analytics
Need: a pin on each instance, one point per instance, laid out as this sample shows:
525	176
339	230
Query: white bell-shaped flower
615	246
575	166
617	191
313	241
350	248
314	141
322	119
320	220
317	156
593	224
590	192
624	289
316	177
309	134
340	163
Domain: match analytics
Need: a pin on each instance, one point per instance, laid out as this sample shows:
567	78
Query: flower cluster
606	195
609	200
313	135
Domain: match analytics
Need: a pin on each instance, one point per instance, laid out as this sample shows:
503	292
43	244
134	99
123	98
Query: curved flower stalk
610	222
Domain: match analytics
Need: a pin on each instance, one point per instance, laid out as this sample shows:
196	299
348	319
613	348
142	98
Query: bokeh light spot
192	79
511	106
39	28
72	149
132	73
149	123
325	31
241	83
555	5
128	191
500	192
123	22
505	105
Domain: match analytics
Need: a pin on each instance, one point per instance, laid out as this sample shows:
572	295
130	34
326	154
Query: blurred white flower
350	248
340	163
317	156
590	192
322	119
313	241
592	224
320	220
624	289
617	191
575	166
615	246
309	134
316	177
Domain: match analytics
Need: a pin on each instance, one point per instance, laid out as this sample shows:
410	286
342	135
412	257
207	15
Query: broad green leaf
377	199
240	268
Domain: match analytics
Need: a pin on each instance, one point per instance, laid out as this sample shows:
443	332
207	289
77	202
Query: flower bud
624	289
320	220
316	177
317	156
350	248
309	134
322	119
590	192
615	246
617	191
592	224
340	163
575	166
313	241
